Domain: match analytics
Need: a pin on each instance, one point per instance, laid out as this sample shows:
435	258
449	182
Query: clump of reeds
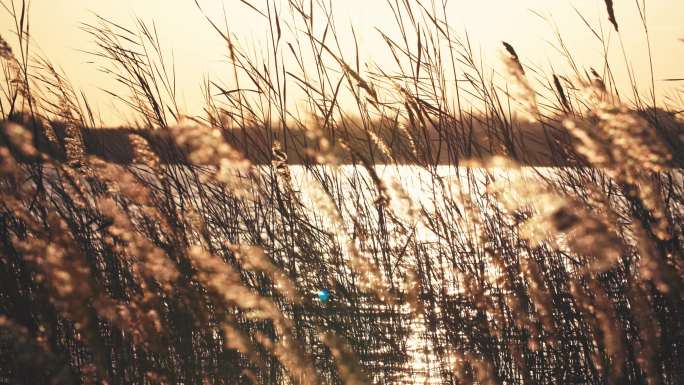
203	259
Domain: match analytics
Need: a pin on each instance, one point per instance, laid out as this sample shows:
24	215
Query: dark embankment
383	143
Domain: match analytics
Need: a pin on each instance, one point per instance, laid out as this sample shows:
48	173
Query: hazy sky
199	51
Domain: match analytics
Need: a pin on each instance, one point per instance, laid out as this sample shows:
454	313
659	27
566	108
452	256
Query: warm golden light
199	52
355	192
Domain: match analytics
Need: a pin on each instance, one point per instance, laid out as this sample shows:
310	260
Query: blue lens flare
324	295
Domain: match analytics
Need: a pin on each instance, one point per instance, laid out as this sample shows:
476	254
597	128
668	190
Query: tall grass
198	262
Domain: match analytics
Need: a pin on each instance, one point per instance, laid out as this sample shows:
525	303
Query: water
416	195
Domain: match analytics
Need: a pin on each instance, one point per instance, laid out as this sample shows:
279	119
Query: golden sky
199	51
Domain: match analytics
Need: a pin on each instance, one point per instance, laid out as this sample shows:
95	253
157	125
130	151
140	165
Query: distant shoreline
532	145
